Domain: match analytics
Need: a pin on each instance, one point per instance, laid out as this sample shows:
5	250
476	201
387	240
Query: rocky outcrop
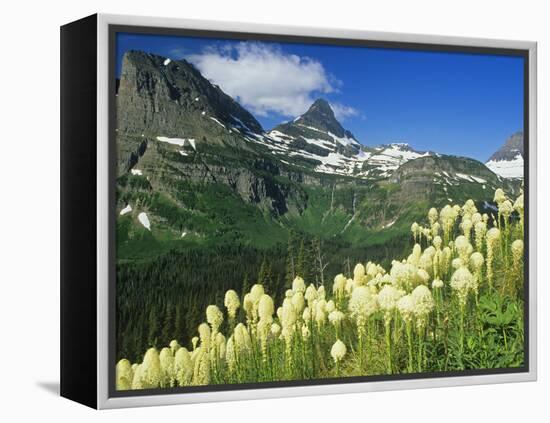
511	148
319	123
157	96
508	160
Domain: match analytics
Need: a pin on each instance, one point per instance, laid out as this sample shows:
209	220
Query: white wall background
29	209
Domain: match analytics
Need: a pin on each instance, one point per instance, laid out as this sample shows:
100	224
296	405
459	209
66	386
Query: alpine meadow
306	251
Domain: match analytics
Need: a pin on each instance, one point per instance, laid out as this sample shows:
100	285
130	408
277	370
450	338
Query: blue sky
452	103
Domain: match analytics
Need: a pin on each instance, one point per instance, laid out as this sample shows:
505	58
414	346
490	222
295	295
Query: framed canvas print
254	211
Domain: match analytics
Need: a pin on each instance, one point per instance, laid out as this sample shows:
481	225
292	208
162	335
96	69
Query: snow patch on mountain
217	121
144	220
507	168
174	141
126	210
387	158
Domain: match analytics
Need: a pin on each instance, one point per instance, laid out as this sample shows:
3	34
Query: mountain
319	127
507	161
316	140
196	168
382	161
171	98
445	179
170	101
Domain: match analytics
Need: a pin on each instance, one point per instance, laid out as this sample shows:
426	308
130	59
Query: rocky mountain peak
318	131
321	116
507	161
160	96
511	148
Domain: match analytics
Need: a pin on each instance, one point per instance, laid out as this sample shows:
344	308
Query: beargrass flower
476	261
320	312
517	249
298	285
461	282
275	329
311	294
437	284
387	300
166	359
423	304
336	317
298	301
339	286
232	303
201	371
463	247
423	276
493	238
248	306
124	375
266	308
457	262
230	354
205	334
307	314
214	317
150	369
362	304
137	380
321	293
433	215
242	338
183	367
405	305
174	346
289	315
505	209
480	230
338	351
469	208
499	196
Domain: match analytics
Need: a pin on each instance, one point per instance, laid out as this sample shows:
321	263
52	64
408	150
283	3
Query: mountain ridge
197	166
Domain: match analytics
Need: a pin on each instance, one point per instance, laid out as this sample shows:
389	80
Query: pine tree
301	261
290	271
152	327
178	324
265	275
246	285
167	332
310	268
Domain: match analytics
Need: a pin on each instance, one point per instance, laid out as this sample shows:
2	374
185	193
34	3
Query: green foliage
398	321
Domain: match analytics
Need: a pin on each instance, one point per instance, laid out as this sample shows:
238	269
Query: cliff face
171	98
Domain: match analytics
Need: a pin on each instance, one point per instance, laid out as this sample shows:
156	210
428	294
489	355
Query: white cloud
343	112
264	79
